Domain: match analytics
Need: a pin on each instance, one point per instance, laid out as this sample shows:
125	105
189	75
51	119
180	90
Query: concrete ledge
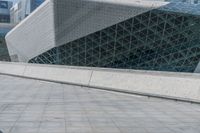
155	85
14	68
76	76
178	86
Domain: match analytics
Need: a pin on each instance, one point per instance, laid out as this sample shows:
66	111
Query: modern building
23	8
4	29
129	34
5	11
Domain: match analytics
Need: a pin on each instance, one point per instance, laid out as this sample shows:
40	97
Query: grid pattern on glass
155	40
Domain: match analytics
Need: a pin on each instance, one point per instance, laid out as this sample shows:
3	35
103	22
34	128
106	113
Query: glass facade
5	11
4	4
160	39
4	18
4	29
4	56
35	4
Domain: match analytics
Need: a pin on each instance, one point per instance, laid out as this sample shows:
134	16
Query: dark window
4	4
4	18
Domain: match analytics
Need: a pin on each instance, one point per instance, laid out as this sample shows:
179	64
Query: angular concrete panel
33	35
57	22
83	17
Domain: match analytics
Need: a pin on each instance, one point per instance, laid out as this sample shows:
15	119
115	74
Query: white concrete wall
57	22
34	35
77	18
183	86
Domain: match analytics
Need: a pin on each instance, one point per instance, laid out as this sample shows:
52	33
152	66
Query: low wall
179	86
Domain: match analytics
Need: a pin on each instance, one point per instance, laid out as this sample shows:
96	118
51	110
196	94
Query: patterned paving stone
33	106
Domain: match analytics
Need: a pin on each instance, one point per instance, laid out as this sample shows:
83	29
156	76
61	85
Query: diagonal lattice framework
156	40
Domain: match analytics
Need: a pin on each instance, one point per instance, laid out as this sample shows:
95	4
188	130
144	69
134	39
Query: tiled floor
31	106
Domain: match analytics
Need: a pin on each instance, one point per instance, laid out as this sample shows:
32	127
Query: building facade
145	35
4	29
22	9
5	11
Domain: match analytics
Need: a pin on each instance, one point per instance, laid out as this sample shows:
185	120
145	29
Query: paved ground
31	106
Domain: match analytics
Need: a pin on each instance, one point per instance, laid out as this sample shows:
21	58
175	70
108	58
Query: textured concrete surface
32	106
155	83
182	86
37	28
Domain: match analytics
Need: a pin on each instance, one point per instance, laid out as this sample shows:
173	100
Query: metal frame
162	40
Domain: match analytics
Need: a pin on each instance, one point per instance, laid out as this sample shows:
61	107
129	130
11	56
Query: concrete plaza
33	106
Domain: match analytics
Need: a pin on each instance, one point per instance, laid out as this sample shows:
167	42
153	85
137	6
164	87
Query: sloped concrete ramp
179	86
